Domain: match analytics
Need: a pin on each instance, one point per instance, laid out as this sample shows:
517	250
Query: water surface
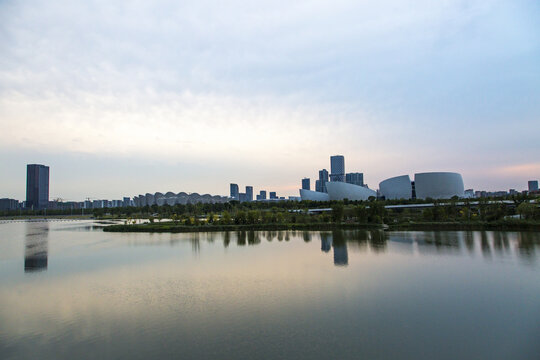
69	290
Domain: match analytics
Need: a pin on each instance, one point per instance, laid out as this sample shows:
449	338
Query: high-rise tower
337	168
37	186
235	192
320	185
306	184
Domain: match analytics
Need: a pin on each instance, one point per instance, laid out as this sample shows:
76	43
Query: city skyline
203	95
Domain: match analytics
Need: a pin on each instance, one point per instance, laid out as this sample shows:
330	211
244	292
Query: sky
128	97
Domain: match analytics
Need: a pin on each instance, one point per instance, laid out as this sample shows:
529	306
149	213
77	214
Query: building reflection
326	242
36	246
341	256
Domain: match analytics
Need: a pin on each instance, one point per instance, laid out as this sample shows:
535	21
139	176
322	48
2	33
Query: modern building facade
355	178
273	195
320	185
170	198
435	185
306	184
9	204
337	168
341	190
37	186
438	185
249	193
235	191
399	187
313	195
533	185
262	194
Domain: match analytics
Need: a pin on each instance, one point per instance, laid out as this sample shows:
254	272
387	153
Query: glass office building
37	186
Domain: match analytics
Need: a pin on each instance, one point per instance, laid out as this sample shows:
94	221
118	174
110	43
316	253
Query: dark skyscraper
320	185
306	184
37	186
249	193
355	178
533	185
235	192
337	168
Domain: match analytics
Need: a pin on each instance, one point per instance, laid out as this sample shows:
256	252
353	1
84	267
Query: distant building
337	168
355	178
469	193
249	193
320	185
262	194
306	184
533	185
235	192
9	204
126	202
37	186
242	197
273	195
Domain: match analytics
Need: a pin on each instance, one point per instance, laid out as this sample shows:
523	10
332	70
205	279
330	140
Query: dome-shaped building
398	187
438	185
341	190
313	195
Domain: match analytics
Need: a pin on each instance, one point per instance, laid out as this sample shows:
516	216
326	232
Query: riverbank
178	228
47	217
171	227
503	225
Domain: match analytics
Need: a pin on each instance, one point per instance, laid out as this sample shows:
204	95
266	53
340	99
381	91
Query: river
70	290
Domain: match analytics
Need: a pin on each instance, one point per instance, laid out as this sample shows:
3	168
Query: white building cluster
182	198
436	185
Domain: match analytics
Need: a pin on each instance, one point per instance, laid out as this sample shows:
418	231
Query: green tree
226	218
240	217
252	217
527	210
361	213
337	212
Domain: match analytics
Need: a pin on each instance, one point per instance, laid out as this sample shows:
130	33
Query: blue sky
131	97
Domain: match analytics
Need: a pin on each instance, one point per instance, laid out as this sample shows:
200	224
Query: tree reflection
241	238
527	243
226	238
484	244
469	241
377	241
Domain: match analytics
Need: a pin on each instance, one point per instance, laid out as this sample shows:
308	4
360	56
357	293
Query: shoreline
169	227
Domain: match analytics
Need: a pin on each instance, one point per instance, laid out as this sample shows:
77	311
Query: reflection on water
36	246
360	294
487	243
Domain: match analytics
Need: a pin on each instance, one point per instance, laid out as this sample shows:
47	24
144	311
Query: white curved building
142	200
438	185
150	199
313	195
181	198
398	187
342	190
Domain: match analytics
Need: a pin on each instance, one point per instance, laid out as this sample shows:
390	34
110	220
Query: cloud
394	85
